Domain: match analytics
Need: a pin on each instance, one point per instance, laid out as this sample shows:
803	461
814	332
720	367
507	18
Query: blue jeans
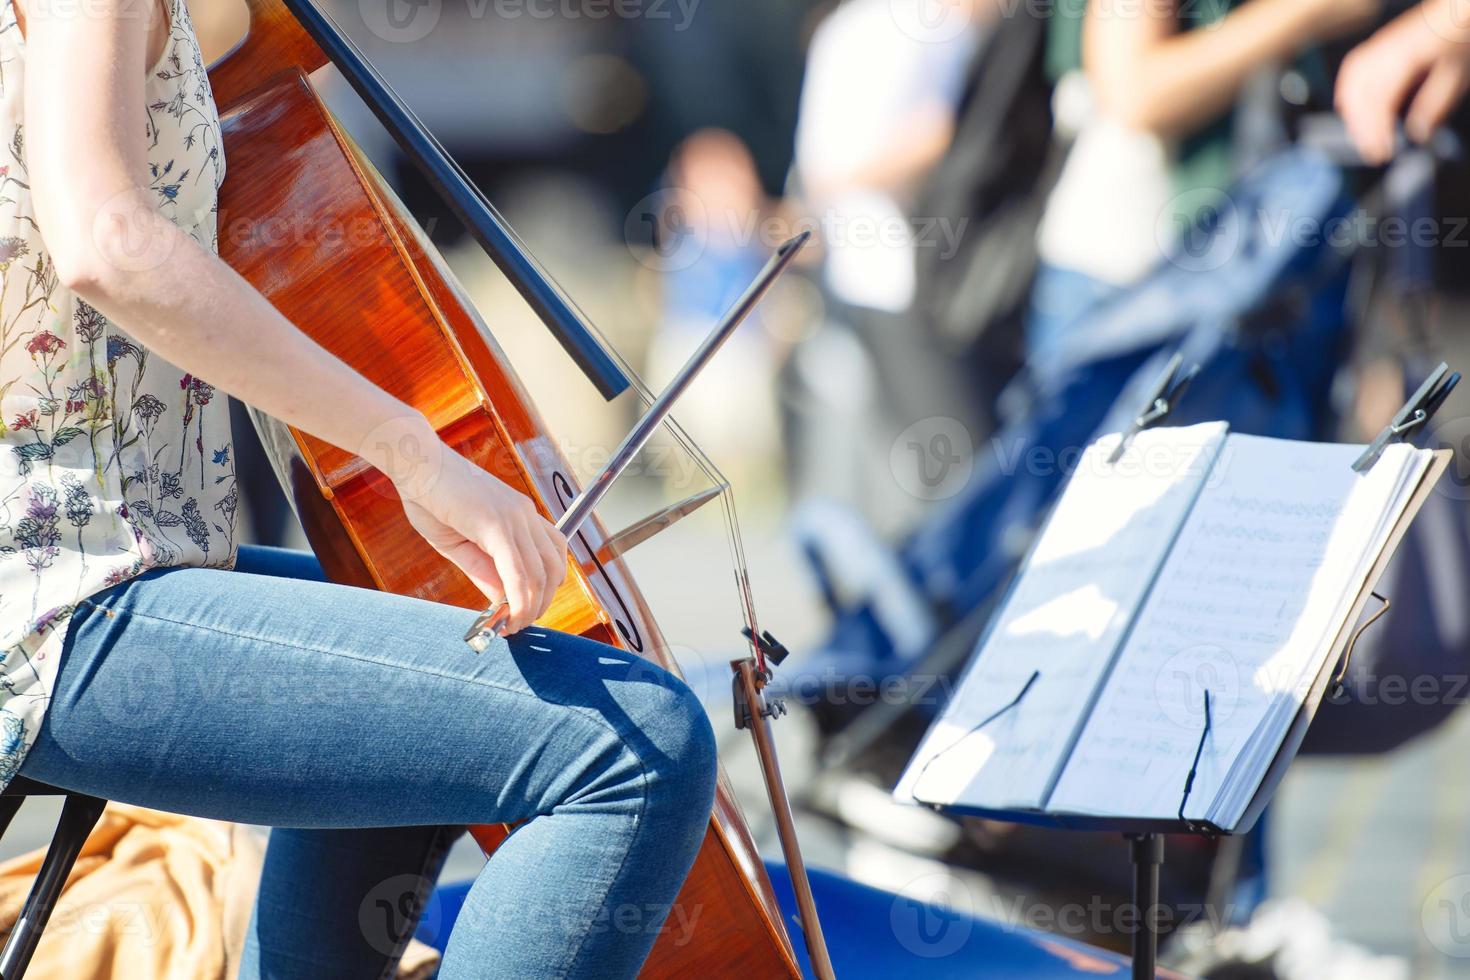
359	726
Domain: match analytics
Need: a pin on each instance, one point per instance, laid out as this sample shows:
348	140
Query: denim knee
682	745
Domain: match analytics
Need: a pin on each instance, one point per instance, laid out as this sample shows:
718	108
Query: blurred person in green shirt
1146	90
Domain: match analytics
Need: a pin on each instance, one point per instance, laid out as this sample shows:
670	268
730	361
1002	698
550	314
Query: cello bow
415	334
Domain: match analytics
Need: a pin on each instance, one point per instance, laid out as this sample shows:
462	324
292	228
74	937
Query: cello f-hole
564	496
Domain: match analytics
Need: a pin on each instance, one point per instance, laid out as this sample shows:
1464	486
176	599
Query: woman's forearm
223	331
107	240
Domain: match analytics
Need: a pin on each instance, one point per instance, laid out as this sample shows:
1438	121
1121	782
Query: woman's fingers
1436	99
1417	66
521	577
495	536
1370	92
477	566
553	547
538	596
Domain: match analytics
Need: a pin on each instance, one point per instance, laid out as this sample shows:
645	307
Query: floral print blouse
112	461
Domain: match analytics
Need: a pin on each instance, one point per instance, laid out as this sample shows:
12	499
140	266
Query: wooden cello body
306	220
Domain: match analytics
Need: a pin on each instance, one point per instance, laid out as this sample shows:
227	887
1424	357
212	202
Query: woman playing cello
147	659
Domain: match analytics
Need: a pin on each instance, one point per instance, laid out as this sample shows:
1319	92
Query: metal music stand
1145	835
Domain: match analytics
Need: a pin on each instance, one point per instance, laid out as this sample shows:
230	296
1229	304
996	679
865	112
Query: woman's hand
491	532
1420	61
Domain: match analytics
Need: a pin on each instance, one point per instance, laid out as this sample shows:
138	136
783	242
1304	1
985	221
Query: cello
366	284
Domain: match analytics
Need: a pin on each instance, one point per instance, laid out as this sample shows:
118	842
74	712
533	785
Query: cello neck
287	34
274	42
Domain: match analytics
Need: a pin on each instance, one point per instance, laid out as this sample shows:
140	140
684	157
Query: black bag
995	177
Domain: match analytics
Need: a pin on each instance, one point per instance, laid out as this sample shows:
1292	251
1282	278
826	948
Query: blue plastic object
879	935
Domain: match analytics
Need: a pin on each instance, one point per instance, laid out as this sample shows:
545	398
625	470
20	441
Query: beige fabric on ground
154	895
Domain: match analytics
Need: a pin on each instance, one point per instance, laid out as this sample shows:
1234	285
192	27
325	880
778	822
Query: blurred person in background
713	232
1147	93
1416	68
877	112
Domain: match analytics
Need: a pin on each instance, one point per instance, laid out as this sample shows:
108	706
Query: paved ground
1383	847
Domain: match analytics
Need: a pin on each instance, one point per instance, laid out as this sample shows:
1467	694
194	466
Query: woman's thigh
278	701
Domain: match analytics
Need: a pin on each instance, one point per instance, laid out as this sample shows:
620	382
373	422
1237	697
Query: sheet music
1077	593
1247	605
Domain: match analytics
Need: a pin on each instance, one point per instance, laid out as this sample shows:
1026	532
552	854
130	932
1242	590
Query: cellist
148	659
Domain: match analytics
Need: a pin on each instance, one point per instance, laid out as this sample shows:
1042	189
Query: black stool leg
78	816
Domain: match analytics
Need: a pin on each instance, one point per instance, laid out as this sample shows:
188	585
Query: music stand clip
1161	400
1418	410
